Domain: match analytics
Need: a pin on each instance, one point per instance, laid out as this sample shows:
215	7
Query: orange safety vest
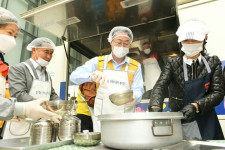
7	95
4	69
133	66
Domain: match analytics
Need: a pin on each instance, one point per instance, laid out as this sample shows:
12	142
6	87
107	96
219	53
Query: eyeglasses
46	52
127	44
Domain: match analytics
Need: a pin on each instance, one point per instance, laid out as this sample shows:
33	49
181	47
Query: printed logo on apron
207	85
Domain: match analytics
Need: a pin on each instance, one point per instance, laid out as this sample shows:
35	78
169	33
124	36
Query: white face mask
41	61
6	43
192	49
147	51
120	52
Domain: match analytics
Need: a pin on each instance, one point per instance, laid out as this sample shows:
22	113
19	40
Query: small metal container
68	126
41	132
121	97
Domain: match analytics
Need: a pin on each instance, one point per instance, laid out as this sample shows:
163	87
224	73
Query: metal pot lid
141	116
42	123
70	118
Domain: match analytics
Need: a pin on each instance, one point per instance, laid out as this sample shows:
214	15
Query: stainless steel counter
23	144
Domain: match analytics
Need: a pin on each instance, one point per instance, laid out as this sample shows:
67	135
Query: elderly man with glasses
25	78
112	73
29	81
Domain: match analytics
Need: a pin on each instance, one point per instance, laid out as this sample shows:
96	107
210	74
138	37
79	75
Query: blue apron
208	125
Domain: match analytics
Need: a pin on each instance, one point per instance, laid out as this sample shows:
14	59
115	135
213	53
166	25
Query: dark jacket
173	76
224	78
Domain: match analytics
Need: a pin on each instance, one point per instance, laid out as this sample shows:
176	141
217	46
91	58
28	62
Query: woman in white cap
196	84
9	27
119	71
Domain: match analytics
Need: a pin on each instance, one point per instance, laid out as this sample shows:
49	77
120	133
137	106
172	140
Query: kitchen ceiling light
44	7
69	21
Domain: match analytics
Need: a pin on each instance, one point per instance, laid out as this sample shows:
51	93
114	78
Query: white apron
116	81
151	72
39	89
2	86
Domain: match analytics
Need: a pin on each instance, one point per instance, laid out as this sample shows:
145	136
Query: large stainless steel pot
141	130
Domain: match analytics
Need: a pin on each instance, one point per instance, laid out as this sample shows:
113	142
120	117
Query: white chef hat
6	17
115	32
192	29
41	42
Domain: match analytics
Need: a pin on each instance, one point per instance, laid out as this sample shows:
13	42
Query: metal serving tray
23	144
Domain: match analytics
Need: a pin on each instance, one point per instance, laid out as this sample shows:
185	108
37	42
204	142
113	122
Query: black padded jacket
173	76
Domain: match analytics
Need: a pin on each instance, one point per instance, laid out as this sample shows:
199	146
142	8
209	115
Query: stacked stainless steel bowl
41	132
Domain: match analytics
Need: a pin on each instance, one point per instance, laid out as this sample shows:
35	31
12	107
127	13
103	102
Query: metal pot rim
141	116
87	136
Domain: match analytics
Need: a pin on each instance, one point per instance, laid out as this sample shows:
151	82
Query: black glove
150	109
189	112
